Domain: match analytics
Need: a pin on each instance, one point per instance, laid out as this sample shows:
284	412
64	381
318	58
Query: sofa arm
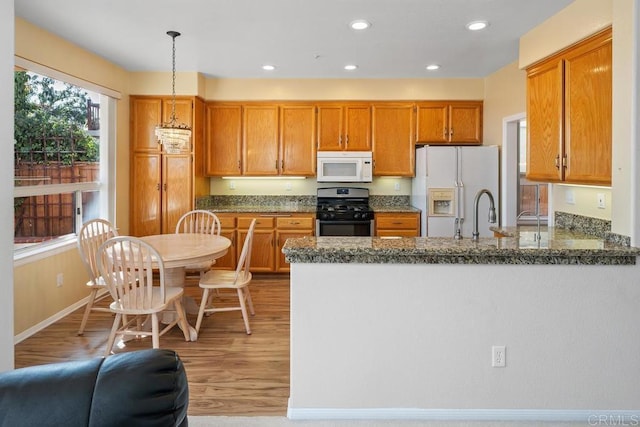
141	388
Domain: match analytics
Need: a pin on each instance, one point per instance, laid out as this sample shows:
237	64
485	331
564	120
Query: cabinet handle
158	186
281	165
397	223
451	132
346	143
340	140
239	165
444	133
165	187
564	161
557	162
276	165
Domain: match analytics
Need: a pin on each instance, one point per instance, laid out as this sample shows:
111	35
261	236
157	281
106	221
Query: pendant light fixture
174	137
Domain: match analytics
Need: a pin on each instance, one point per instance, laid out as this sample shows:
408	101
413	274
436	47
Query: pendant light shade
174	137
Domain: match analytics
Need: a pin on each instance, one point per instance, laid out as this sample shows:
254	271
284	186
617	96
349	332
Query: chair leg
112	334
155	335
182	319
243	308
87	310
249	300
203	305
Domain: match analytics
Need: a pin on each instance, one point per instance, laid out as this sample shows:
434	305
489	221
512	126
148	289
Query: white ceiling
302	38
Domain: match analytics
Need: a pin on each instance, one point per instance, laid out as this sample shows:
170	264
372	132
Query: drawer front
295	223
227	221
262	222
396	222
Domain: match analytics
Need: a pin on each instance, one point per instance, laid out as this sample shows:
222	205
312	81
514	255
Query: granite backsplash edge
589	225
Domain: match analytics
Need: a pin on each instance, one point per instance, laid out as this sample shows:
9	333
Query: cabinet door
330	126
177	195
223	140
357	129
588	114
465	123
146	190
228	261
544	122
228	225
146	114
432	122
297	140
393	145
262	250
260	140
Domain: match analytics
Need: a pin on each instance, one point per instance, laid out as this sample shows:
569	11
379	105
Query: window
61	152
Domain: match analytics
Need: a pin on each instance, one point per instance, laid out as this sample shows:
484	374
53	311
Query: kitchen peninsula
404	327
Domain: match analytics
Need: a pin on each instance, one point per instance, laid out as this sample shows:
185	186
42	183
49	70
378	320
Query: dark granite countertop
555	247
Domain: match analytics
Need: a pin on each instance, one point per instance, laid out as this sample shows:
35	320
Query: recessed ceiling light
350	67
433	67
477	25
360	24
268	67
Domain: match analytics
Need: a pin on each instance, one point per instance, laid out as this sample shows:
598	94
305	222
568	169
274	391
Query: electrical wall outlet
59	280
397	186
569	196
232	185
601	201
498	356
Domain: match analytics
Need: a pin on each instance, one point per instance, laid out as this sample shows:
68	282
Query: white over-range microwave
345	166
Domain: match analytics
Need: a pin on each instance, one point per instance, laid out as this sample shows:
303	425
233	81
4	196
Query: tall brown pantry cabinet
163	186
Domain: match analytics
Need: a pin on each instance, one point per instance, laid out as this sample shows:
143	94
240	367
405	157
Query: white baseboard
51	320
589	417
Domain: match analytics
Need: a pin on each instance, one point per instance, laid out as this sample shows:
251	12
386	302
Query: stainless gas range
344	211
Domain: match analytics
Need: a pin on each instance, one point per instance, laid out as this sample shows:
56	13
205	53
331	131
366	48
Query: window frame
105	186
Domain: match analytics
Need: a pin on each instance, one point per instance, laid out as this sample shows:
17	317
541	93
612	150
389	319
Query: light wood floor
229	372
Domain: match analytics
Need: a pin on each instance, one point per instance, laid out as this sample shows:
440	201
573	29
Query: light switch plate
570	197
602	203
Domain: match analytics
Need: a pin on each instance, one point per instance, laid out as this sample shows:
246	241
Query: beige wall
343	89
575	22
504	96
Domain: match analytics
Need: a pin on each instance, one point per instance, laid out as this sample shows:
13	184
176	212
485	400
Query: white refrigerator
446	183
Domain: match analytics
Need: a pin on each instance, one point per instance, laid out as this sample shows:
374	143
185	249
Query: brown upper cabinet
449	122
569	114
393	143
344	126
223	140
260	139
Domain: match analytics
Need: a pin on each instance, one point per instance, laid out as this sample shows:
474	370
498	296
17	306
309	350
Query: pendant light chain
173	82
172	136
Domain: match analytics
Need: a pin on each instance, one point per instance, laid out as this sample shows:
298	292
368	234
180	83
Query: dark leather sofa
140	388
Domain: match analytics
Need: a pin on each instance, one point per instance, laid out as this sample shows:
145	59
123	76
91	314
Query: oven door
344	228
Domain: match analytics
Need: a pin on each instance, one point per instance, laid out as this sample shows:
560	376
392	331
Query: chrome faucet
492	212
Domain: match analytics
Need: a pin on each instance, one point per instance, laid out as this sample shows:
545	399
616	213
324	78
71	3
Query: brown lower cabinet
397	224
270	234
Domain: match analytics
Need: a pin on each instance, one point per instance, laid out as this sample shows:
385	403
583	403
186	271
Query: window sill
42	251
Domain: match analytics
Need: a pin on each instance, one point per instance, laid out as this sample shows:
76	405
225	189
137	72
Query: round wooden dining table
179	250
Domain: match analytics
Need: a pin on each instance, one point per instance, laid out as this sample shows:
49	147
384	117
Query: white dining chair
92	234
127	265
199	221
237	279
